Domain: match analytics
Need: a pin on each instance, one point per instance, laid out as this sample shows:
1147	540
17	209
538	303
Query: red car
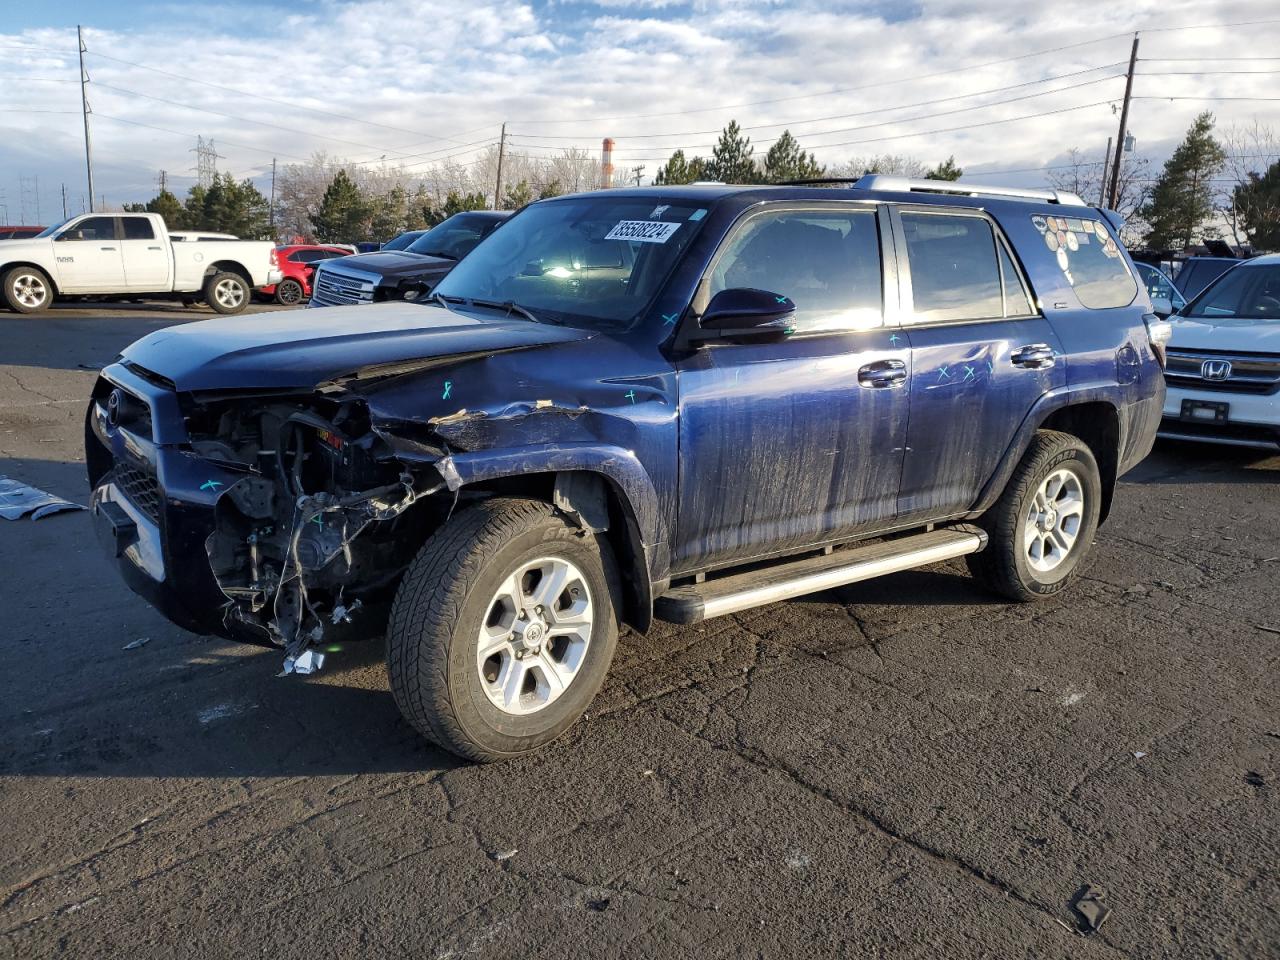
18	233
298	263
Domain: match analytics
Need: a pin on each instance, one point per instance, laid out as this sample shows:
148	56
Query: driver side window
826	261
94	228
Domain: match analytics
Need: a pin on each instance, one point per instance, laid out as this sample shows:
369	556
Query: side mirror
71	235
1161	306
746	314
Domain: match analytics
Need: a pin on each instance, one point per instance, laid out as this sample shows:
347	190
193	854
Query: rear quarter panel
192	260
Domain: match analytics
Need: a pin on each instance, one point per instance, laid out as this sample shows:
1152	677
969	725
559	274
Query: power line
868	113
1212	99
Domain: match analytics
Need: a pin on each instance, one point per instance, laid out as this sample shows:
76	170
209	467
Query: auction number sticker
643	231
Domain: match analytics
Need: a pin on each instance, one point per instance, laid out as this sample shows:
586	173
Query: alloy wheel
1054	518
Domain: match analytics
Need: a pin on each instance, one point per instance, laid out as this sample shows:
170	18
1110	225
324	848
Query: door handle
883	373
106	248
155	248
1034	356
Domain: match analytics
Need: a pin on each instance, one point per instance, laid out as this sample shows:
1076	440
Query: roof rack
880	181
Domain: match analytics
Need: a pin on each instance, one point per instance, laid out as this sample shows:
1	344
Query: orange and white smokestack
606	163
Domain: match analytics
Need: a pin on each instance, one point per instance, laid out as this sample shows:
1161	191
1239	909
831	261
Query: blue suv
674	402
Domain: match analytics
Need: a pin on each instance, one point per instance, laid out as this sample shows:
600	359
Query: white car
1224	360
132	254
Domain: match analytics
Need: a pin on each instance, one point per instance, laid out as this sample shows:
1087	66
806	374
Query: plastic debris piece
17	500
506	854
140	642
305	663
1091	909
1138	754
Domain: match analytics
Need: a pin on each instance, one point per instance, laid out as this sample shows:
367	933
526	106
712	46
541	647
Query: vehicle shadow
913	588
1182	462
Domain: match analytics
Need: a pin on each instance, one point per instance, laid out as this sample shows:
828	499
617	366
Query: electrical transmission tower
29	195
207	157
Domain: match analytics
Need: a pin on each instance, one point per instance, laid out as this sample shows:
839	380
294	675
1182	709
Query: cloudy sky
1002	86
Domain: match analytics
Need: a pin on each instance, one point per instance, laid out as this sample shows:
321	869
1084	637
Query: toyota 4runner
671	402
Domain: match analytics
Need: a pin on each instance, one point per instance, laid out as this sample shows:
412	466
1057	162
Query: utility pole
638	173
271	206
64	201
1113	194
84	109
1102	191
502	154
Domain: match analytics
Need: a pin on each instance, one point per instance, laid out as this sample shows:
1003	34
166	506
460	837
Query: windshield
454	238
1252	292
592	261
50	231
402	241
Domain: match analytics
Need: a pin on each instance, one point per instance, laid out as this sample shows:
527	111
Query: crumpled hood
394	264
1227	334
299	349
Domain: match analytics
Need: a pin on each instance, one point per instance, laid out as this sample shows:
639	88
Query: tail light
1159	332
275	259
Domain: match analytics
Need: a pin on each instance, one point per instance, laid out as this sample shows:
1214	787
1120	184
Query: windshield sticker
698	214
659	210
1062	258
1051	241
1072	243
1040	224
642	231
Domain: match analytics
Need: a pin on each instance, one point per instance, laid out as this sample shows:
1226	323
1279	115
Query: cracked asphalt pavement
905	767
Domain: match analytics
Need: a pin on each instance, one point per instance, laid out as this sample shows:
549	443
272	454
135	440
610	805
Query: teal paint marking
318	520
893	339
211	485
944	373
669	319
991	367
448	385
968	373
630	395
781	299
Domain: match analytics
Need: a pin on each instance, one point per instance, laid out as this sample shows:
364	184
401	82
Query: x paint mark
211	485
894	338
631	395
991	367
318	520
781	299
968	372
448	385
669	319
944	373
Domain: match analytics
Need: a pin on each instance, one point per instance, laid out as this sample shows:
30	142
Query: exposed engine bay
321	525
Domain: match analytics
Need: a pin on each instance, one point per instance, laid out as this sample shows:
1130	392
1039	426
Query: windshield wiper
508	305
444	301
439	253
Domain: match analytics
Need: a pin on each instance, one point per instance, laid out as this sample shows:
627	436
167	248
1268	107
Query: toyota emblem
1215	370
114	402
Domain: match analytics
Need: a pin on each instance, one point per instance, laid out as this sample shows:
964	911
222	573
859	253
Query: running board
715	598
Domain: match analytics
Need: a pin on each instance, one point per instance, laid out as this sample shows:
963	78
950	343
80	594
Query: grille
142	489
330	289
1250	372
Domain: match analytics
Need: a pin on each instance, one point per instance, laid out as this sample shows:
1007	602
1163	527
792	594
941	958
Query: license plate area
1205	411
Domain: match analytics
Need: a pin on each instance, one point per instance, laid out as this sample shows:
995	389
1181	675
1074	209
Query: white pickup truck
131	254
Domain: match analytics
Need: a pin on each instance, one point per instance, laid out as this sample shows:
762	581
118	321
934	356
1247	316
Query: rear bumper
1252	420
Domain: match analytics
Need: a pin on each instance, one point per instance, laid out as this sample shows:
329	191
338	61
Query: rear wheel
226	292
1042	526
27	290
289	292
502	630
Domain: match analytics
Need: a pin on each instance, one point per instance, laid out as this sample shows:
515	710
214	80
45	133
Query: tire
27	290
460	584
226	292
289	292
1035	552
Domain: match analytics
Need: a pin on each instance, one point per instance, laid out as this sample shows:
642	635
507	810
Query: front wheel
502	630
1043	525
289	292
27	290
226	292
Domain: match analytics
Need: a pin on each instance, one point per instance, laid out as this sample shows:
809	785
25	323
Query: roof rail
880	181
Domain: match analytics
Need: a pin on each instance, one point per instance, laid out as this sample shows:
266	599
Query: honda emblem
1215	370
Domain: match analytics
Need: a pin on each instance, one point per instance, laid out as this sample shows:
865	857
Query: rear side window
1090	259
826	261
137	228
955	269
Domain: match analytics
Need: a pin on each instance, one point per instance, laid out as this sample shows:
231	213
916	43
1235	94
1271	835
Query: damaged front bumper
274	537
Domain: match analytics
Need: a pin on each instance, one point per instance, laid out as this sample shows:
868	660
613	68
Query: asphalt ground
905	767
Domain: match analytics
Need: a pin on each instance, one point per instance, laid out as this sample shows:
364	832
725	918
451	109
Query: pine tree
731	160
947	170
1181	203
517	195
678	170
167	205
1257	204
226	206
786	161
344	213
390	214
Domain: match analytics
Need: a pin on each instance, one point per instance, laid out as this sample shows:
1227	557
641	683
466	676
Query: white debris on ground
17	500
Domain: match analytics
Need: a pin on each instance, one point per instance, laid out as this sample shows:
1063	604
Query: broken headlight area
321	524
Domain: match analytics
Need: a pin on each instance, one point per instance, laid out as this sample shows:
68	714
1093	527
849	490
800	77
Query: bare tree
1251	148
1084	178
